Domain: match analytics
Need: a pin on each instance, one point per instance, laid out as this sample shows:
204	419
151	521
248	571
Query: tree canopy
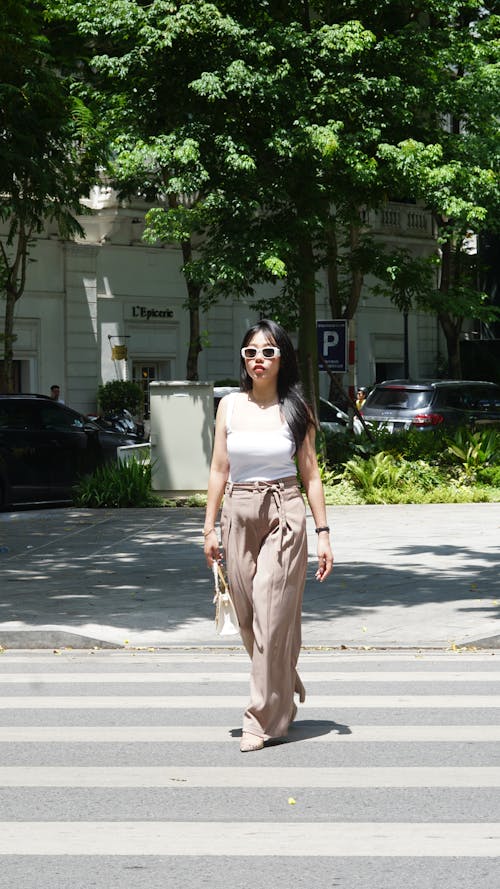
44	169
263	130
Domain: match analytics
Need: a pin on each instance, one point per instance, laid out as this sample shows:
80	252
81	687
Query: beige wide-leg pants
264	538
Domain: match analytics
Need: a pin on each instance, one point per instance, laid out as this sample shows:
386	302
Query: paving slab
406	576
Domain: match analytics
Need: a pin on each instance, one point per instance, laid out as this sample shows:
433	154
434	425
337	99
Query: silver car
431	404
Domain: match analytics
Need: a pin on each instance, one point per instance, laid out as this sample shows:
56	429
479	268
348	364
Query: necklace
262	404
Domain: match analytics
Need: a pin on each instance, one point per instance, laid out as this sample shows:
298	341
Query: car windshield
399	398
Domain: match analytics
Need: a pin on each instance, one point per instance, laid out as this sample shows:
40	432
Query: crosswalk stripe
240	776
242	676
254	839
389	781
386	659
223	702
132	734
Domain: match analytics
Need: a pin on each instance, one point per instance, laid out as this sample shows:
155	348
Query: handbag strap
222	578
221	585
216	577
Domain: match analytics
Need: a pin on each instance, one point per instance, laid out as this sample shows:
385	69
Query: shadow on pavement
145	570
304	729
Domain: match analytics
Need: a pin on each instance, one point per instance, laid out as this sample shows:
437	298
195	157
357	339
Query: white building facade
84	298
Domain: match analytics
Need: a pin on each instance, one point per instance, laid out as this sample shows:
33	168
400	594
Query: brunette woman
259	433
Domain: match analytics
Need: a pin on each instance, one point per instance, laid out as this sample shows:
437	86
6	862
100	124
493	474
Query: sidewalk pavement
405	577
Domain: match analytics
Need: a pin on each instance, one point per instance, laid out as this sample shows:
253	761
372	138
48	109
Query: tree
252	92
300	116
452	165
43	171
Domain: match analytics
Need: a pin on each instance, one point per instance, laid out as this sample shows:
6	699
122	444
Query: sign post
332	339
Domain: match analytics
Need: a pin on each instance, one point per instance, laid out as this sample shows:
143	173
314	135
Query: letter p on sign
330	341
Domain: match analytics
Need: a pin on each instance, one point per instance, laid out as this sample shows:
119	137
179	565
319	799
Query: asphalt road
123	768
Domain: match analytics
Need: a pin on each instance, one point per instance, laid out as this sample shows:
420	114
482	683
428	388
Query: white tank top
258	455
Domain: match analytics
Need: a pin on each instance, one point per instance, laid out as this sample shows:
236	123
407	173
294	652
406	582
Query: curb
50	639
28	639
492	642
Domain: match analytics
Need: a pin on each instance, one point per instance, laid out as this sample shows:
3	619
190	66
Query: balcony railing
399	219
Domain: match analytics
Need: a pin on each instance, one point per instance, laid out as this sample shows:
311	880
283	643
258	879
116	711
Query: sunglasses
266	352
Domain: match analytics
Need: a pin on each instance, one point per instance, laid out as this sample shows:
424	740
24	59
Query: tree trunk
14	280
308	347
194	290
451	328
334	298
357	276
450	325
7	366
337	308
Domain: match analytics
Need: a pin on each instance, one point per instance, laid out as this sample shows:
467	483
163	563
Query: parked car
432	404
45	447
331	417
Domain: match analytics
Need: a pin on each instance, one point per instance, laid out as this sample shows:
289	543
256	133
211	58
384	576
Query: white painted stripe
218	656
255	839
215	734
248	777
242	676
228	702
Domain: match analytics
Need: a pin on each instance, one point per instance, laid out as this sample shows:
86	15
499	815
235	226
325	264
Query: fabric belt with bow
275	488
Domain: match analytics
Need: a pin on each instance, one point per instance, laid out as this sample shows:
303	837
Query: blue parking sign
332	345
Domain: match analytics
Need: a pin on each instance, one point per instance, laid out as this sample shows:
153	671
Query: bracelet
206	533
323	528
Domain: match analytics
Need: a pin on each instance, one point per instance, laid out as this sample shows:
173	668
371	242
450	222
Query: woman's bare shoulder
224	403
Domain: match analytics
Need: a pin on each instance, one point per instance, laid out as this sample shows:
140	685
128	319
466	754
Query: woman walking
258	432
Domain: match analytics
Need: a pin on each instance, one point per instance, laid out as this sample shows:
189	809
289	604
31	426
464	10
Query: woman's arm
219	473
309	473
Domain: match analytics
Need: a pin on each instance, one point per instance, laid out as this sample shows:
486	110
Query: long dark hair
294	407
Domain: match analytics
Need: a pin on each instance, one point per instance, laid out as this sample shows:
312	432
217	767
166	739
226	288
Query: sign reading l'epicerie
139	312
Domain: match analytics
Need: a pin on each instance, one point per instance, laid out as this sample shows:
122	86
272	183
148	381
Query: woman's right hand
211	548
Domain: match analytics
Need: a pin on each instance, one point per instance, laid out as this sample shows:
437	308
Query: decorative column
82	351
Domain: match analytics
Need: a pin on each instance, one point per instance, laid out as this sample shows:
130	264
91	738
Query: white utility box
182	434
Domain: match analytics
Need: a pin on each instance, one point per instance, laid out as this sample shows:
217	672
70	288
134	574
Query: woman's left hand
325	558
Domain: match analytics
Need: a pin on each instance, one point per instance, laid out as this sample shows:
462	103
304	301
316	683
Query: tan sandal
250	742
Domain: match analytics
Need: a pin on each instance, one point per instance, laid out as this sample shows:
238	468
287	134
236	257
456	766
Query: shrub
489	475
117	485
407	445
119	395
414	445
475	450
338	448
377	472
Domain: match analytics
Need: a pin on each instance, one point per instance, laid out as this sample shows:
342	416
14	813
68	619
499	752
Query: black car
431	404
332	418
45	447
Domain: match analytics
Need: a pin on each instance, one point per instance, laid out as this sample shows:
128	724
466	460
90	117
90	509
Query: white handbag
226	620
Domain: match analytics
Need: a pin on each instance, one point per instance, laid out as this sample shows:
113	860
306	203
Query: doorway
147	371
389	370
